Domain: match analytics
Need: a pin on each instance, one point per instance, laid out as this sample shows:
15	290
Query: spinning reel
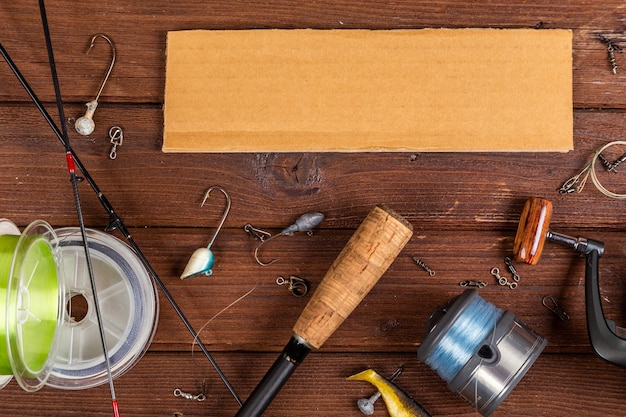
532	233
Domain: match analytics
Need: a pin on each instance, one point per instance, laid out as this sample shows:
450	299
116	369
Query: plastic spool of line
128	302
479	350
31	303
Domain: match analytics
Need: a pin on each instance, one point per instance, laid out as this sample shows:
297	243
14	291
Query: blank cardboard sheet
368	90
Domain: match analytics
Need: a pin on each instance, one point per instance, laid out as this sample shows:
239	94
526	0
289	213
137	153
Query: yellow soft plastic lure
398	402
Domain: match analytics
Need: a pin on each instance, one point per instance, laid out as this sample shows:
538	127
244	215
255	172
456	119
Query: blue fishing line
464	337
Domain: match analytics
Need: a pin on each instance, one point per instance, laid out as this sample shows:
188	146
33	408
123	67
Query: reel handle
532	230
532	234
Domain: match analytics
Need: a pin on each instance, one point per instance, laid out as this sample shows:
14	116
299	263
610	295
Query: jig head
202	259
304	223
85	124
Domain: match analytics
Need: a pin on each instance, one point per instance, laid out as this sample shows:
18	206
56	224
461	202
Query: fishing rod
116	222
81	221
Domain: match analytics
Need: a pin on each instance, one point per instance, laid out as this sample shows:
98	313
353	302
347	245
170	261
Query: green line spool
32	299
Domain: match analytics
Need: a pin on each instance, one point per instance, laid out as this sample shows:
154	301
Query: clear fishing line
481	351
32	296
129	305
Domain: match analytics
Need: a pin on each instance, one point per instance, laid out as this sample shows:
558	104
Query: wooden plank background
464	208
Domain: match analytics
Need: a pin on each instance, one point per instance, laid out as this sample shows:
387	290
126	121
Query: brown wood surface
464	208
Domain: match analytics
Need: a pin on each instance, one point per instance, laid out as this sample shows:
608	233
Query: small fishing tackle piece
116	136
85	124
611	166
366	405
202	259
611	47
192	397
570	186
605	162
256	233
477	284
298	287
509	265
398	402
550	303
422	265
617	162
304	223
578	181
496	274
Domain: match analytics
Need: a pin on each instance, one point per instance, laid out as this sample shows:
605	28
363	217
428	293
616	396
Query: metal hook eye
85	124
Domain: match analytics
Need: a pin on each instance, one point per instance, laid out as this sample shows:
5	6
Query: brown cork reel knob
532	230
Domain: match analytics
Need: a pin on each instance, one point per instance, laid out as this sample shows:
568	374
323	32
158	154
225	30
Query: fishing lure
202	259
398	402
304	223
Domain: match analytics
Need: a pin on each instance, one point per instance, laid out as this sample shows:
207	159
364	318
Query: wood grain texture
532	230
464	208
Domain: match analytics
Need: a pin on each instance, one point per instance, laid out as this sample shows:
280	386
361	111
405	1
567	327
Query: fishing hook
85	124
304	223
202	259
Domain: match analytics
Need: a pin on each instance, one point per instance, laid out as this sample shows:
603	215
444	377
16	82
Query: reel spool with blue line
481	351
32	299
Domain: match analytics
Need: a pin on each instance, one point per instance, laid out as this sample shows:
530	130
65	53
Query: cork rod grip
365	258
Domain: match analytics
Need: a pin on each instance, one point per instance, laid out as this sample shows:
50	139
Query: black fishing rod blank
74	180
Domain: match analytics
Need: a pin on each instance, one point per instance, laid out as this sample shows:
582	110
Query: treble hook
304	223
85	124
202	259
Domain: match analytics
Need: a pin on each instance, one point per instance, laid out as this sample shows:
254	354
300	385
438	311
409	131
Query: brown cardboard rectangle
368	90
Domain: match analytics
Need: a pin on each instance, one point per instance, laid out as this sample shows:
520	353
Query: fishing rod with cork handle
364	259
